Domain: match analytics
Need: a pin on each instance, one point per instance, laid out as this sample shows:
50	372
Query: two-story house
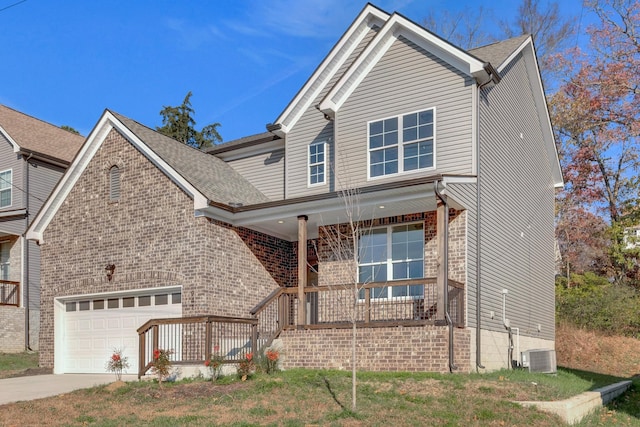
33	157
407	187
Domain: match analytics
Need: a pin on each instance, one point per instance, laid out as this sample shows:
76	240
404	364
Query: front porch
398	277
392	334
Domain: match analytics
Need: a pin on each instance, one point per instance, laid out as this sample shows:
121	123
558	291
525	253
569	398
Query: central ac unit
540	360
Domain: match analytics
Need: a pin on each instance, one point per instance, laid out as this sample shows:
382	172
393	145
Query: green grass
18	361
323	397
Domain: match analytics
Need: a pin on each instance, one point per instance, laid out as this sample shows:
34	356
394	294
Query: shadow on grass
333	394
598	380
625	405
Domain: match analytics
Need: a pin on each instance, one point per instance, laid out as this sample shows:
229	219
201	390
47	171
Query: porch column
443	238
302	269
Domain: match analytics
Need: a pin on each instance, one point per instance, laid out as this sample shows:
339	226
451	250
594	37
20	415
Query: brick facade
421	348
12	330
154	239
416	349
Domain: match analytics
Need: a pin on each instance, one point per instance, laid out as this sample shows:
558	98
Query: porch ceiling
280	220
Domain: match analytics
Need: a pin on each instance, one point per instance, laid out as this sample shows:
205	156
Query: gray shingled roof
37	136
215	179
497	53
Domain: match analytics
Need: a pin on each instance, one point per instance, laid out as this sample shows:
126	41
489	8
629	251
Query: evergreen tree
178	123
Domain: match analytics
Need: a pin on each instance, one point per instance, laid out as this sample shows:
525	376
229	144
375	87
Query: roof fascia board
531	63
395	27
514	54
250	151
369	16
16	147
106	123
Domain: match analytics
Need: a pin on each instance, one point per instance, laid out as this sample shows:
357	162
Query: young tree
342	247
179	124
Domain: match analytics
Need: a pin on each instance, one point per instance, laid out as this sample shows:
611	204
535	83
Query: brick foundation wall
153	238
416	349
12	329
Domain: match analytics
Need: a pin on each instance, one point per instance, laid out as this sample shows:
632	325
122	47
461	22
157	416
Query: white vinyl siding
516	247
6	185
392	253
407	79
402	144
312	127
256	167
317	163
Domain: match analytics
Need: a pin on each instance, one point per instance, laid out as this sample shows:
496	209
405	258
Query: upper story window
5	188
402	144
392	253
317	162
114	183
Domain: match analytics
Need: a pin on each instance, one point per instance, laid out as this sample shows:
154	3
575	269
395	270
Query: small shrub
214	365
117	363
246	366
270	361
161	365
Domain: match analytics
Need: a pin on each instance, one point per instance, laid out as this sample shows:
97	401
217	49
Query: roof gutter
45	157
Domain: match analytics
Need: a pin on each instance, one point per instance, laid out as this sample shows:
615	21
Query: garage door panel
91	336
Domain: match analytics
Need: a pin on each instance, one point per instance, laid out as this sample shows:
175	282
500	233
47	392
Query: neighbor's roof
39	137
497	53
215	179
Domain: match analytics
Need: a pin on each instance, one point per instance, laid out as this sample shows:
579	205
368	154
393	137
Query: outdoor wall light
110	268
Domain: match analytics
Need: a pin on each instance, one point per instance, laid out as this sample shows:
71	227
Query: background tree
596	113
461	28
179	124
550	31
69	129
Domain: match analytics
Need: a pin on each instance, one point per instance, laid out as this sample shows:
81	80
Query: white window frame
311	165
5	264
401	145
9	189
390	262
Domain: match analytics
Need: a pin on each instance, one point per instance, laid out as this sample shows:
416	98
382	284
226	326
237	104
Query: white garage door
95	326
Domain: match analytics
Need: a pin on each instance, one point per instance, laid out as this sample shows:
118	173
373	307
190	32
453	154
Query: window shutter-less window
114	183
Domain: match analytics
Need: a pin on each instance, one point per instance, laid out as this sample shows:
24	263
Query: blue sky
244	60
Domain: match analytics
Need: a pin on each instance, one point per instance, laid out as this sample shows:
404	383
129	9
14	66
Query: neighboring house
453	156
33	157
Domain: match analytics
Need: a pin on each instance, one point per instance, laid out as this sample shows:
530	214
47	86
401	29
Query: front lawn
306	397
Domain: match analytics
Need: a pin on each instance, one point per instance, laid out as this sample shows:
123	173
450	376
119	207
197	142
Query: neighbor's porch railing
195	339
9	293
332	306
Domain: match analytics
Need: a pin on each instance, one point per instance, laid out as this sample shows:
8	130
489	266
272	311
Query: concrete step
572	410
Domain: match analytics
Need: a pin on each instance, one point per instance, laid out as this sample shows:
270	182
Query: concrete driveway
39	386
